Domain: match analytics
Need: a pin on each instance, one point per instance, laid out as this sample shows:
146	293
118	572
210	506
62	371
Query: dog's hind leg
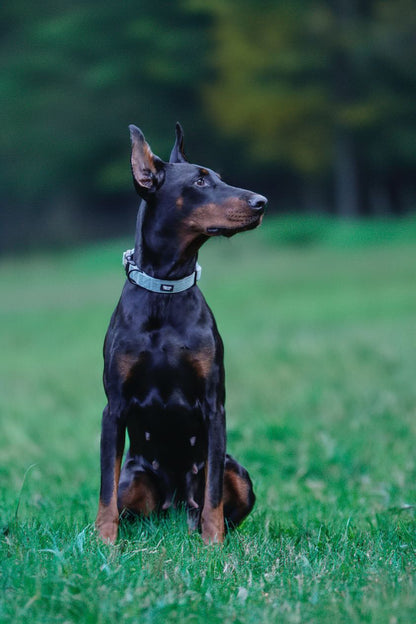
239	497
139	490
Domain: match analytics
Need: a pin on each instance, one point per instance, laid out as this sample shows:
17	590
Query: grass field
319	325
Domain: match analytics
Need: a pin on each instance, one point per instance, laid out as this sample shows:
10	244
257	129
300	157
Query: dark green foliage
73	77
310	103
326	88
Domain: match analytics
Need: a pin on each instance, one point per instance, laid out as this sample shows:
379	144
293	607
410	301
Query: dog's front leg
212	517
112	447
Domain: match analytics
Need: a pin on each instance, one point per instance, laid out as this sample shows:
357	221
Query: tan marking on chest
125	362
202	361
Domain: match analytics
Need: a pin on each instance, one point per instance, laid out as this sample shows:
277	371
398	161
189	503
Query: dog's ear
177	154
147	169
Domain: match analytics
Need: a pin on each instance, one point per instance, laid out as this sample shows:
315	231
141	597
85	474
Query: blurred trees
311	103
327	88
74	75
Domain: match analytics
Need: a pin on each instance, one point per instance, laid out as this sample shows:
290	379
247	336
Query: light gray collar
140	278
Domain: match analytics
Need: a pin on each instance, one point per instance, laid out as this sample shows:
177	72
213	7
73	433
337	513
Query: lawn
319	326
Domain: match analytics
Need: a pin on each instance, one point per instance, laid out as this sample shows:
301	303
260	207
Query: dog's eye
201	181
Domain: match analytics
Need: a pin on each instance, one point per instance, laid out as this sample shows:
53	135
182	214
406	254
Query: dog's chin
230	231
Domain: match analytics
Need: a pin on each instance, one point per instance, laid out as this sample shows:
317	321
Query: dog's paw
107	531
107	526
212	524
212	532
212	539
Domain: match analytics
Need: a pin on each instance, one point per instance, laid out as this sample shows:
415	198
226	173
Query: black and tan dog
164	371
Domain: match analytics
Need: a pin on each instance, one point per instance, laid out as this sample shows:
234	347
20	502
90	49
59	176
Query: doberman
163	355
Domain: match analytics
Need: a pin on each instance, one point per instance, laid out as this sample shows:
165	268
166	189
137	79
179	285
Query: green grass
319	325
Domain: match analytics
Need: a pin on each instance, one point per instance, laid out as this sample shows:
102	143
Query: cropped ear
177	154
147	169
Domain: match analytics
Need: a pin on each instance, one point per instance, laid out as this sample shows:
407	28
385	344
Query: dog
164	358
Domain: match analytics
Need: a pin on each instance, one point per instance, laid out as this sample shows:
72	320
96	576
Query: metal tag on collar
167	288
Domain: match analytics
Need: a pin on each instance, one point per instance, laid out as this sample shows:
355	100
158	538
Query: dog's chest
168	387
166	361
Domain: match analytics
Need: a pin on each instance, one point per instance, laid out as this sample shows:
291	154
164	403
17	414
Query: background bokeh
308	102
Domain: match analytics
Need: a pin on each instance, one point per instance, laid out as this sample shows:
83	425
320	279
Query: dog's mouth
230	231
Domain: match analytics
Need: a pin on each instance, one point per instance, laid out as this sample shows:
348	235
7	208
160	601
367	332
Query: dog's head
194	199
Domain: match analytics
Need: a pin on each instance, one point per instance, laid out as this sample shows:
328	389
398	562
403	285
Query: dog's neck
157	252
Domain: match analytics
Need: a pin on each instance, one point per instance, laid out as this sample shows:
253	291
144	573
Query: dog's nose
257	202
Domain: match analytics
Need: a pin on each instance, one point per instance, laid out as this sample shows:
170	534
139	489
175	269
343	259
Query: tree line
309	102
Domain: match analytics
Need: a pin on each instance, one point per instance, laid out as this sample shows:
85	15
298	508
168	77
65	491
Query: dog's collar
140	278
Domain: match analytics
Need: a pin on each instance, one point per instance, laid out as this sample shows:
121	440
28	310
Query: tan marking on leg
212	518
236	489
107	516
212	523
238	497
141	496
